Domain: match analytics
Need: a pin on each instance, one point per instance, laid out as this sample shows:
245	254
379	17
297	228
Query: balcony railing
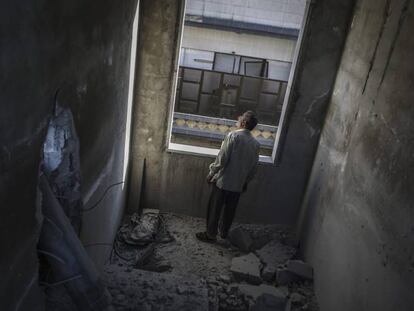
214	129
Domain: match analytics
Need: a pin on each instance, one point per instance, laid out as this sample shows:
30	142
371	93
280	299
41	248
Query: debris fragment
268	273
241	239
275	253
142	229
246	268
300	268
285	277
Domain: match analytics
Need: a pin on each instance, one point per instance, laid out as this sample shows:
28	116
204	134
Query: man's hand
209	179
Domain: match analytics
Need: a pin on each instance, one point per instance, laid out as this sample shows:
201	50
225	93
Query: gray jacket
236	163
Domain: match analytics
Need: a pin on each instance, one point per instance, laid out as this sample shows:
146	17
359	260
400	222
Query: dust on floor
176	271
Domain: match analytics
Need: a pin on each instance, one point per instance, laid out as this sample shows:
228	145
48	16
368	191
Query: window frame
274	159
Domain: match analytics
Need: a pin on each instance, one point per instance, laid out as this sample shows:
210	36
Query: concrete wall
82	47
176	182
359	233
281	13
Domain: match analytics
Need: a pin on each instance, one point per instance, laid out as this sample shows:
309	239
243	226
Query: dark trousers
221	206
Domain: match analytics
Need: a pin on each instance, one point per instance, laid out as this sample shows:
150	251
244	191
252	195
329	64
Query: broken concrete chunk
246	268
275	253
241	239
300	268
268	273
285	277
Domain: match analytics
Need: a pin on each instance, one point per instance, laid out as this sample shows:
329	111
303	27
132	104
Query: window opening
230	62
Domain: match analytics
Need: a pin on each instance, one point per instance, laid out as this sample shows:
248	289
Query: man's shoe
224	235
202	236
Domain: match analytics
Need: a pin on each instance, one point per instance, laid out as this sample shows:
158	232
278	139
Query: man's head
247	120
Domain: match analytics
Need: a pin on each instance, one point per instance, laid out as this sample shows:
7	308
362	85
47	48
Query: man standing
229	175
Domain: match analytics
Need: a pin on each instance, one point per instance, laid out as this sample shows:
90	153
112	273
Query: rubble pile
255	269
134	289
142	229
136	241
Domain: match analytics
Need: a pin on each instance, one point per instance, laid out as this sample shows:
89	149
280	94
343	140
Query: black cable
102	197
121	256
78	276
49	254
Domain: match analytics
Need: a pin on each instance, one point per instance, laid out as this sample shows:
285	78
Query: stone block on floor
300	268
275	253
268	273
285	277
246	268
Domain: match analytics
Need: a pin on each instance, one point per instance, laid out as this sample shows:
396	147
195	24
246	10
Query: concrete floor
196	275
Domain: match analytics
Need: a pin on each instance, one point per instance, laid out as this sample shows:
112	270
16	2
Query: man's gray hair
249	119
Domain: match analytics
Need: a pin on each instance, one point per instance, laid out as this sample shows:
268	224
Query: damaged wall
83	48
359	220
176	182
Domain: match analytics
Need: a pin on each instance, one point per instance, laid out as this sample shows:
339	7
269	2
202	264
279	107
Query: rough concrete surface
275	253
135	289
82	48
358	214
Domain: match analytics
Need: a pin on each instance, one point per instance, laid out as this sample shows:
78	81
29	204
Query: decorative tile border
216	128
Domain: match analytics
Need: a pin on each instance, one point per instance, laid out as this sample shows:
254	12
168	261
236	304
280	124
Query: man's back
241	152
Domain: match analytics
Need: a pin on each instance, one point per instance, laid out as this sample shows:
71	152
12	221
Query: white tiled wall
281	13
